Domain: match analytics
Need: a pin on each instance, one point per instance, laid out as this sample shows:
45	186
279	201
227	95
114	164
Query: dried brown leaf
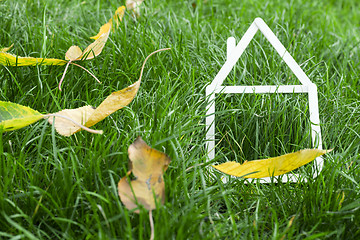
148	166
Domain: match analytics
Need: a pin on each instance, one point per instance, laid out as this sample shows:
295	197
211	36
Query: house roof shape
234	52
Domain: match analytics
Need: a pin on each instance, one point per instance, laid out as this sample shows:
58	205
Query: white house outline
234	52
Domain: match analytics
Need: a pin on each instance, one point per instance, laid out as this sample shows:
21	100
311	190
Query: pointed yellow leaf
8	59
271	166
113	102
14	116
6	48
89	116
96	47
104	29
73	53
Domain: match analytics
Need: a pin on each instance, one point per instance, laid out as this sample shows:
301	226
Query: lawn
56	187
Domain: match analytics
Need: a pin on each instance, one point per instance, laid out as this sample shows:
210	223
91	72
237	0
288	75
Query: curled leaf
14	116
148	166
272	166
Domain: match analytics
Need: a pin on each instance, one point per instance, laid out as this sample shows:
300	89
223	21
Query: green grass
55	187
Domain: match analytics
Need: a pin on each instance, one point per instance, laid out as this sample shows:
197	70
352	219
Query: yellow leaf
148	166
73	53
6	48
14	116
113	102
119	14
8	59
95	48
271	166
66	127
89	116
104	29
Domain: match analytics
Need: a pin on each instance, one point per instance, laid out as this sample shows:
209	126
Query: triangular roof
235	52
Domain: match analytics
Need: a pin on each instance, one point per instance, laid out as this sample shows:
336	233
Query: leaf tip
5	49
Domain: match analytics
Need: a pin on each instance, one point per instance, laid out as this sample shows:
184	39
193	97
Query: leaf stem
86	71
63	76
151	225
142	68
67	65
76	123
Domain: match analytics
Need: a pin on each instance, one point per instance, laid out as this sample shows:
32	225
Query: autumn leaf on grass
134	5
115	20
8	59
14	116
89	116
148	166
272	166
74	53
